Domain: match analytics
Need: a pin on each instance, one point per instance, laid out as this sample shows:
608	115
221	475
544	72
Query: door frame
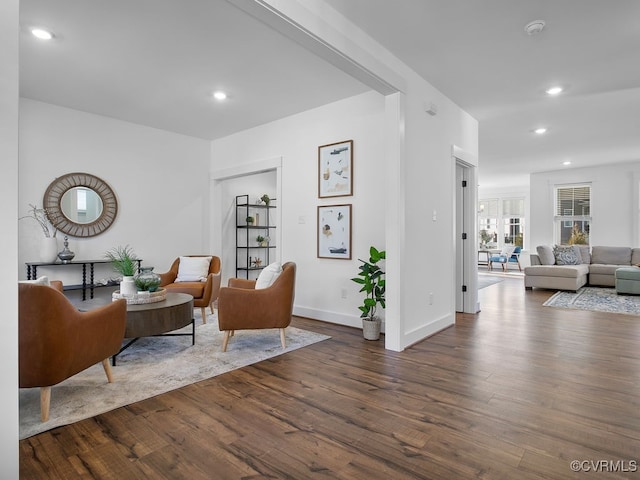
466	265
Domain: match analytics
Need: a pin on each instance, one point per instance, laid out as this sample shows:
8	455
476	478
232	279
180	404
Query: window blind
573	201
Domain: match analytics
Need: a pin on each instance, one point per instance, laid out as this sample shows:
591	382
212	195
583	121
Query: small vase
147	280
128	286
371	328
49	249
66	255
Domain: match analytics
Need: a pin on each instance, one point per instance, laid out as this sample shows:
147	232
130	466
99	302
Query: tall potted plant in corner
124	262
371	277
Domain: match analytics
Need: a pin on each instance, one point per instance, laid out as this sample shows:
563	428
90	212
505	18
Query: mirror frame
53	197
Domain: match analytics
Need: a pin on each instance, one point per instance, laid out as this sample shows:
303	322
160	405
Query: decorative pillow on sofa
545	254
268	275
585	254
43	280
566	255
193	269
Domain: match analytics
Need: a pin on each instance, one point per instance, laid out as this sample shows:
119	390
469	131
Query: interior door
459	234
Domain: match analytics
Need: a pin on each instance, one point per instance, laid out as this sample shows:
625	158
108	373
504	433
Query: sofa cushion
193	269
545	254
43	280
268	275
602	269
569	271
635	256
566	255
611	255
585	253
195	289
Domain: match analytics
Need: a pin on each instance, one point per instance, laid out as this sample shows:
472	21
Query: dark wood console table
32	273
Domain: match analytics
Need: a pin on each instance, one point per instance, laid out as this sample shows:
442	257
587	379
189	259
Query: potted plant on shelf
249	220
262	241
124	261
371	277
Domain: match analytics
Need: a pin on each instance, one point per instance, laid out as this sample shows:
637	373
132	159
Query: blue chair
515	257
504	257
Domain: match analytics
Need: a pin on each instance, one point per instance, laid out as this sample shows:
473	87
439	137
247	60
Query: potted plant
371	277
124	261
265	198
249	220
262	241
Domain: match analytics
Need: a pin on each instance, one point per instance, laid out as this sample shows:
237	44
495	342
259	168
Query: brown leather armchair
242	307
204	293
56	341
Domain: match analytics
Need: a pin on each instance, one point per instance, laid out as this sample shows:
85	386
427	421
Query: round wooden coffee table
154	319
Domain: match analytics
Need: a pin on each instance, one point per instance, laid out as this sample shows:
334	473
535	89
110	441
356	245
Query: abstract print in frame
335	169
334	231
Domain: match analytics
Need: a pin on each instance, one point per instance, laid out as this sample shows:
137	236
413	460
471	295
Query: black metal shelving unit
248	250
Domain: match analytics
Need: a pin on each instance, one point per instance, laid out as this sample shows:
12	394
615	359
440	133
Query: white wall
9	238
614	203
160	180
296	140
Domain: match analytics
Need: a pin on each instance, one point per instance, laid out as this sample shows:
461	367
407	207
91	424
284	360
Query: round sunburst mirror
80	204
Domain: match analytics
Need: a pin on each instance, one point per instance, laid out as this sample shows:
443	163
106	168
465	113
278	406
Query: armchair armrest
167	278
242	283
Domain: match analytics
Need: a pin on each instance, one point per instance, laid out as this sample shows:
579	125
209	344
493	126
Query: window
572	214
488	223
501	222
513	221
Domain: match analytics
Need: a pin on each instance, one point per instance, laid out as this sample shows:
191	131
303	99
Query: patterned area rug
152	366
598	299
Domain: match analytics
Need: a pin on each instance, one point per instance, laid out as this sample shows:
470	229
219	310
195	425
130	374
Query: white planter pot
371	328
128	286
49	249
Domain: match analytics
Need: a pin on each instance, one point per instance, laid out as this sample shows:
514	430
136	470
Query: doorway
465	233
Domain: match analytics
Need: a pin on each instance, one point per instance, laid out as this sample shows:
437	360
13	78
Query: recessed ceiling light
535	27
219	95
567	162
540	130
42	34
554	90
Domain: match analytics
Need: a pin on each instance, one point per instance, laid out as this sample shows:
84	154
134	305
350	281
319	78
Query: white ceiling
156	62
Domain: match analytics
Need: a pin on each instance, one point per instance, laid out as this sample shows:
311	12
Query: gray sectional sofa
597	266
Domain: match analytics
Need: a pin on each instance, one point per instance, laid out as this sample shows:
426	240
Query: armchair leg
45	401
107	370
225	340
283	340
203	310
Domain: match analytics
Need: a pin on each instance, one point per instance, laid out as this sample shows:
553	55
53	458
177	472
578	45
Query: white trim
470	162
395	229
332	317
247	169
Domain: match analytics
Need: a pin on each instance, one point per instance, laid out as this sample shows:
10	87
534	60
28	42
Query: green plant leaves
371	277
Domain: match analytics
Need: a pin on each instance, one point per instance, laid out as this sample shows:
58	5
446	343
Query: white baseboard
331	317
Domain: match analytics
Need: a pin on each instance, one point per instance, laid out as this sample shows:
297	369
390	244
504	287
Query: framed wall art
334	231
335	169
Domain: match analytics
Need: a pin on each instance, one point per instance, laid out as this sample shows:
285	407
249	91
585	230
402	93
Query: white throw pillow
268	275
44	280
193	269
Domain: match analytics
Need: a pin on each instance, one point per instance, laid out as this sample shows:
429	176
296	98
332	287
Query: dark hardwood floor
518	391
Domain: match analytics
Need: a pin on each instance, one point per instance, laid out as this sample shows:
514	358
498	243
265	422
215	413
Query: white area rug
598	299
152	366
